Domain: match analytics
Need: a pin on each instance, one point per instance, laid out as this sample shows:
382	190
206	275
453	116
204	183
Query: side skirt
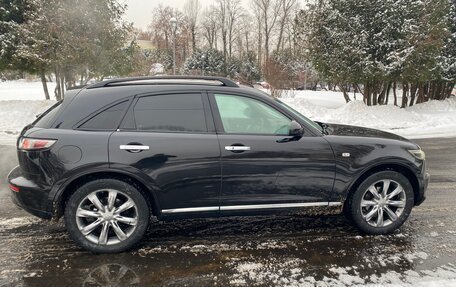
304	209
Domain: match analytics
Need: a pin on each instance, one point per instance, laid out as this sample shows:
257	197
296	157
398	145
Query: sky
140	11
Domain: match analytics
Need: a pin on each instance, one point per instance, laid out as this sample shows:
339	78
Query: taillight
35	144
13	188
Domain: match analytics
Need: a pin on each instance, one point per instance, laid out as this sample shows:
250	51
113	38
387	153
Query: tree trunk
448	88
279	40
381	97
404	95
44	83
374	94
394	93
62	85
413	89
388	89
193	39
57	91
367	94
421	88
344	91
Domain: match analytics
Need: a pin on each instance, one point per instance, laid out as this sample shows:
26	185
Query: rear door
171	139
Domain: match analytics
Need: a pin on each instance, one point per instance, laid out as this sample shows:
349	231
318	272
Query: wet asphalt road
287	251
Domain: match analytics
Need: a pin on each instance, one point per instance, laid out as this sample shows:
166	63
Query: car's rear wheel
107	216
382	202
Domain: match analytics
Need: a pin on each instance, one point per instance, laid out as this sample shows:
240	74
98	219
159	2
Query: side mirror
38	115
296	129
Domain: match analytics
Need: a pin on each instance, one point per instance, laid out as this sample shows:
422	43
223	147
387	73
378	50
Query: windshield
300	116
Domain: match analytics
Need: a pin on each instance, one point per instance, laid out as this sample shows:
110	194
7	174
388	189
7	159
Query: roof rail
224	81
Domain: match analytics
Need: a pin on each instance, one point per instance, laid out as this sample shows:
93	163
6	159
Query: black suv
112	155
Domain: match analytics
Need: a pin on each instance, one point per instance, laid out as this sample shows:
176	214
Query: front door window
243	115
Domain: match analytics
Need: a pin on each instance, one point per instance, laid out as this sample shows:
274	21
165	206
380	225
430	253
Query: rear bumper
31	197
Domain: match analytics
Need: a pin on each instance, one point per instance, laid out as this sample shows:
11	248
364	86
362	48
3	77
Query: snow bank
24	90
14	115
430	119
20	102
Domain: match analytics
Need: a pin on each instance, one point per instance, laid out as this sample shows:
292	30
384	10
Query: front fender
346	179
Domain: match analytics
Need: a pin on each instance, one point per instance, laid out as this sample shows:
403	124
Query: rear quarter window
46	119
108	119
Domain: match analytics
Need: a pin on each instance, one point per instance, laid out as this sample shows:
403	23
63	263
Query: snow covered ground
431	119
21	101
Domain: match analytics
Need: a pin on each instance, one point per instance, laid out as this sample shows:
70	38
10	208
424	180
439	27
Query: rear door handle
237	148
134	148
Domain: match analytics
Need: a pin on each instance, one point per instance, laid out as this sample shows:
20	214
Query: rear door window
170	113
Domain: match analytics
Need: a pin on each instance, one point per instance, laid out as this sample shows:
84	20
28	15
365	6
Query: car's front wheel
382	202
107	216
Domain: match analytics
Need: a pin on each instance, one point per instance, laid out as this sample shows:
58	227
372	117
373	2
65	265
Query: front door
262	166
170	139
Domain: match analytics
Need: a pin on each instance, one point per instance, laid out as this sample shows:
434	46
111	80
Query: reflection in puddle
257	251
112	275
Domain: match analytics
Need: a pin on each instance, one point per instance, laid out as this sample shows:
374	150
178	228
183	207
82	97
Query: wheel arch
400	168
65	191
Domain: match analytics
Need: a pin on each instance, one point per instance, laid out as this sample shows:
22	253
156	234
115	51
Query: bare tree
258	18
228	12
234	13
160	27
162	32
269	11
192	11
210	27
245	33
287	7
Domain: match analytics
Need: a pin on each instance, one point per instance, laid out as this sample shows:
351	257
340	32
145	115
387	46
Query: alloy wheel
383	203
107	216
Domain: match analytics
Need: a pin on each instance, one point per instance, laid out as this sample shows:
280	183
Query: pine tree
374	42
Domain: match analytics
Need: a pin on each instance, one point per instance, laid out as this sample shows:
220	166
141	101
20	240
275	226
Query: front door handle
237	148
134	147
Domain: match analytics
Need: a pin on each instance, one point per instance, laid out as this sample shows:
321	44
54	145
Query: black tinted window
45	119
182	113
107	119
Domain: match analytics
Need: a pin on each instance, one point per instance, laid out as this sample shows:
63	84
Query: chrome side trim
250	206
191	209
278	205
334	203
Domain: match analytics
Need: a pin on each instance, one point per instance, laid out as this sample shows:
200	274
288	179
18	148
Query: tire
127	211
395	208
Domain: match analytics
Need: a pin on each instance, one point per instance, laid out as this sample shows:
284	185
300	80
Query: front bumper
423	184
30	196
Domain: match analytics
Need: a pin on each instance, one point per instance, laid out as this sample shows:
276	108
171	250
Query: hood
355	131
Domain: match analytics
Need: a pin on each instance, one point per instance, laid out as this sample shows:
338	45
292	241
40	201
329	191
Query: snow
14	115
24	90
21	101
430	119
287	274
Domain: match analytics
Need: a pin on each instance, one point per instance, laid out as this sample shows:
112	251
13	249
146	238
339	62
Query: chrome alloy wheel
383	203
107	216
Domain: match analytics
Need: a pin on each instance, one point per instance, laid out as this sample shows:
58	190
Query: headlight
419	154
